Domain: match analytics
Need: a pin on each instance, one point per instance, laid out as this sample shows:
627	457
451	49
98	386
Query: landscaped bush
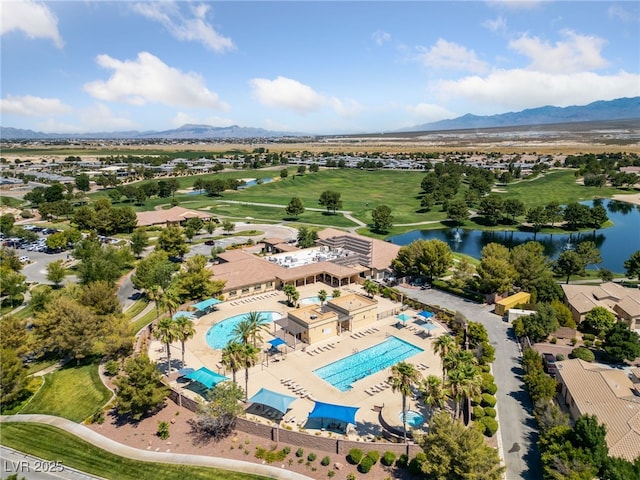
355	455
403	460
490	388
272	455
312	456
388	458
583	354
490	412
163	430
560	357
374	455
490	426
589	336
415	465
111	368
478	412
299	452
488	400
325	461
331	473
365	465
476	400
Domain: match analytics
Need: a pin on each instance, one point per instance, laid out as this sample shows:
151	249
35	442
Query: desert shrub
325	461
415	465
490	412
485	368
583	354
554	340
355	455
490	426
299	452
560	357
388	458
588	343
312	456
331	473
403	460
351	476
574	340
588	336
478	412
374	455
286	450
270	456
163	430
488	400
98	417
365	465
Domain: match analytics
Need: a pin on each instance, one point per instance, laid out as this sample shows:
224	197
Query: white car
24	259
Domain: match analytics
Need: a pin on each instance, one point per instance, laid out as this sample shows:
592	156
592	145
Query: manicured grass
73	392
51	443
143	321
136	308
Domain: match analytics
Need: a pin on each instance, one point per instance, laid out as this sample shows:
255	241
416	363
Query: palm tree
458	359
169	300
370	287
464	382
165	331
433	393
184	331
442	346
403	376
250	328
336	293
249	357
232	357
322	296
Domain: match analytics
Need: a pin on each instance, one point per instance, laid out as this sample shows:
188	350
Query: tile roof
609	394
584	297
172	215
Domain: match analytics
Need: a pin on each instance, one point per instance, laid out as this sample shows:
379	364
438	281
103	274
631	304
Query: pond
616	243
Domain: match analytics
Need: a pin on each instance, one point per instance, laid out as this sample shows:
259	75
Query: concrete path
35	468
518	431
119	449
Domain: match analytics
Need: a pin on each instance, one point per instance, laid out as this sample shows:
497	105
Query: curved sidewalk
119	449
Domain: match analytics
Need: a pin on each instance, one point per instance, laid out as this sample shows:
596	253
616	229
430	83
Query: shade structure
183	313
341	413
203	305
428	326
275	400
425	314
403	317
185	371
206	377
276	342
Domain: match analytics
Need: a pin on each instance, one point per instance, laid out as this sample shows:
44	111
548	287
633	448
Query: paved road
518	432
34	468
36	270
122	450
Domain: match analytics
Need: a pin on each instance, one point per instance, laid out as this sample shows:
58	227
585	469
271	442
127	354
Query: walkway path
119	449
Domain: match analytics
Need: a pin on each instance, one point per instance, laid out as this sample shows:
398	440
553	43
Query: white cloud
620	13
148	80
379	37
99	117
429	112
192	26
575	53
30	106
182	118
34	19
451	55
519	88
287	93
497	25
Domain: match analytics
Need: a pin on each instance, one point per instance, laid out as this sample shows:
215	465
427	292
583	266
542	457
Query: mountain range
618	109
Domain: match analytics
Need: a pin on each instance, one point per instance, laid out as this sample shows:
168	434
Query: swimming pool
414	419
219	334
312	300
346	371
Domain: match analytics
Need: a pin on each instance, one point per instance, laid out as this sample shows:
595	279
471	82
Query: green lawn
143	321
54	444
136	308
73	392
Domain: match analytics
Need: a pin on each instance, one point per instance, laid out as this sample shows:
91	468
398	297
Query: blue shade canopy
342	413
184	371
276	342
404	317
272	399
426	314
203	305
428	326
206	377
189	315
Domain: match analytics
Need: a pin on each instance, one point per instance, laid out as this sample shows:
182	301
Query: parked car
549	360
24	259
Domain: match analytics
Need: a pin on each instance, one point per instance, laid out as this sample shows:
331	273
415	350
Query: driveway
36	270
518	430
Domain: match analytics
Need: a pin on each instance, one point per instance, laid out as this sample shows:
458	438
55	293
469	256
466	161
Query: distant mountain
618	109
186	132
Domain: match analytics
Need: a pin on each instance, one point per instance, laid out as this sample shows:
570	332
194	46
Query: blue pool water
311	300
414	419
343	373
219	334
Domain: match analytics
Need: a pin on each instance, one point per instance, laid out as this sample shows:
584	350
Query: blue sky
316	67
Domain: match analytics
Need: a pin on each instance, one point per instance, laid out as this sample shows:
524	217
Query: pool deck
297	365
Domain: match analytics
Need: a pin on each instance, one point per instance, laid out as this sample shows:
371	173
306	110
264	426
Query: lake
616	243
